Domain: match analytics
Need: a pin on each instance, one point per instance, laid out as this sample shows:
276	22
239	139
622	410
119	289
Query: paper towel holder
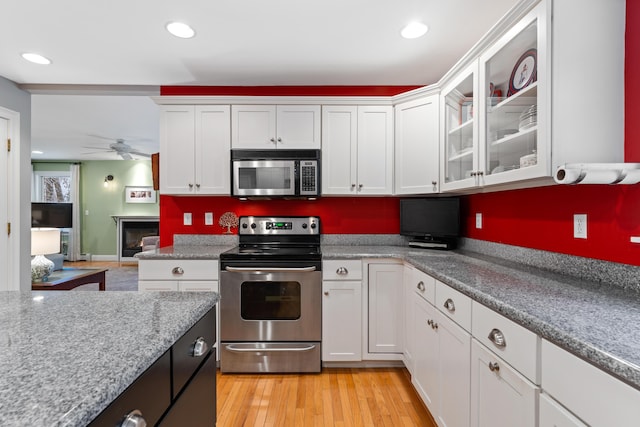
598	173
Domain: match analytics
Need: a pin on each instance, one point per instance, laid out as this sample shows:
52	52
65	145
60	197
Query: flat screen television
431	222
58	215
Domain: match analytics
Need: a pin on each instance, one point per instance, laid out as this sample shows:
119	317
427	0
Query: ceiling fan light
36	58
413	30
181	30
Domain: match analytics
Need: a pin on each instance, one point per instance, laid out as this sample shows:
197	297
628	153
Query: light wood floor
336	397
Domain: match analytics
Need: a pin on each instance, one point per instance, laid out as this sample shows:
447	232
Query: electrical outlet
478	220
208	218
580	226
187	218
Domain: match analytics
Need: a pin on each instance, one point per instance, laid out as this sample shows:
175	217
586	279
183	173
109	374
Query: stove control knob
313	225
304	225
253	225
244	225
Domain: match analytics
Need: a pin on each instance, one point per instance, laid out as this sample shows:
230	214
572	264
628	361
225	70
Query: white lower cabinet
441	374
552	414
500	396
595	397
341	321
385	308
342	311
180	275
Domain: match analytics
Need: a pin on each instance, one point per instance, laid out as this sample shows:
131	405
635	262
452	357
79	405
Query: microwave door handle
269	269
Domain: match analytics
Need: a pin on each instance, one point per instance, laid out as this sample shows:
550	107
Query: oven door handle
232	347
270	269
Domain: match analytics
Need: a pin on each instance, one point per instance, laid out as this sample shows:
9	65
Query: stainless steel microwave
275	173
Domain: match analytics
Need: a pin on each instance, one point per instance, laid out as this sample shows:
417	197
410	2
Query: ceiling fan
120	147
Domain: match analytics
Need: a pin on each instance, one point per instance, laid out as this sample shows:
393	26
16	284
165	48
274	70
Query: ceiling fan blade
126	156
96	152
101	137
139	153
98	148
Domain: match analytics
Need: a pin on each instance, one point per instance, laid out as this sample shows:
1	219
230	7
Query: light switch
187	218
208	218
478	220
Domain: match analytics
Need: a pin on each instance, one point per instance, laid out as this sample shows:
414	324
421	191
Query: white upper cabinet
530	110
357	150
460	150
194	149
417	146
275	126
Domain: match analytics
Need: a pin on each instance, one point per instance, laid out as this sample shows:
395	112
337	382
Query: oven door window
270	300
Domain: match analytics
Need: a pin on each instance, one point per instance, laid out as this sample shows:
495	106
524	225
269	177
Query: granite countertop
64	356
595	321
194	251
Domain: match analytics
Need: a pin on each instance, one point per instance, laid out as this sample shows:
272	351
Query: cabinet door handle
494	367
272	140
360	187
177	270
190	185
326	293
449	305
430	322
199	348
342	271
434	326
197	185
420	286
497	337
134	419
279	139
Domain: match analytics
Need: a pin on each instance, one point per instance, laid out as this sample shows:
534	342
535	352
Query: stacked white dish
528	118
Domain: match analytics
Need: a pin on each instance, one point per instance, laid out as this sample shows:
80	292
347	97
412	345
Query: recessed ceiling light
181	30
36	58
413	30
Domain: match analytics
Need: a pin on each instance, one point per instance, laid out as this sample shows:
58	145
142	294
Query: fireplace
131	230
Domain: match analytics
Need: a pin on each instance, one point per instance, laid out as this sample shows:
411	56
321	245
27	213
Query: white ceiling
239	43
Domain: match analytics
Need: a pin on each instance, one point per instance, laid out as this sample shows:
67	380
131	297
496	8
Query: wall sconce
107	179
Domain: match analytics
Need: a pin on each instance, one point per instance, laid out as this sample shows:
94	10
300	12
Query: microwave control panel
309	177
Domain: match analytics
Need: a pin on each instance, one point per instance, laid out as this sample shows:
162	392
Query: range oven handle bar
231	347
269	269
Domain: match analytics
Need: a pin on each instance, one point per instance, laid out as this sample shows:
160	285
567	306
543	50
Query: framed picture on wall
139	195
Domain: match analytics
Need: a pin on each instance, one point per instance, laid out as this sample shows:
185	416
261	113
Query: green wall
98	203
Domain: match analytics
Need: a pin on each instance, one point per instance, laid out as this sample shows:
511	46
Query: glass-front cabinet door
459	133
513	96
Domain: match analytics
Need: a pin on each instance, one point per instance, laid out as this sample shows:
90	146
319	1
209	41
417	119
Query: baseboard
95	257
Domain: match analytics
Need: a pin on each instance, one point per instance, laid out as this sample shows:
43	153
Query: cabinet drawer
150	394
342	270
596	397
178	269
158	285
554	414
454	305
424	285
185	362
520	347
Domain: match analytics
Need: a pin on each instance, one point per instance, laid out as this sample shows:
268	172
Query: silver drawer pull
134	419
449	305
342	271
420	286
497	337
241	349
494	367
259	270
177	270
200	347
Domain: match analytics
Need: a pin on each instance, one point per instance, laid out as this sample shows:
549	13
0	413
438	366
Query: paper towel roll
585	175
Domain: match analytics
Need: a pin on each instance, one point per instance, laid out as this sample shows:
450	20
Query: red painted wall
368	215
540	218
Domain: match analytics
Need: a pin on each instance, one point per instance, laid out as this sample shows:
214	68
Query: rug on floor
124	278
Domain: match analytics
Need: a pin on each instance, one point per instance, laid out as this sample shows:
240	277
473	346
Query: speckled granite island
65	356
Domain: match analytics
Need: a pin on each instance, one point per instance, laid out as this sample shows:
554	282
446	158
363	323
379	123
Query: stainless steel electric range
271	297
